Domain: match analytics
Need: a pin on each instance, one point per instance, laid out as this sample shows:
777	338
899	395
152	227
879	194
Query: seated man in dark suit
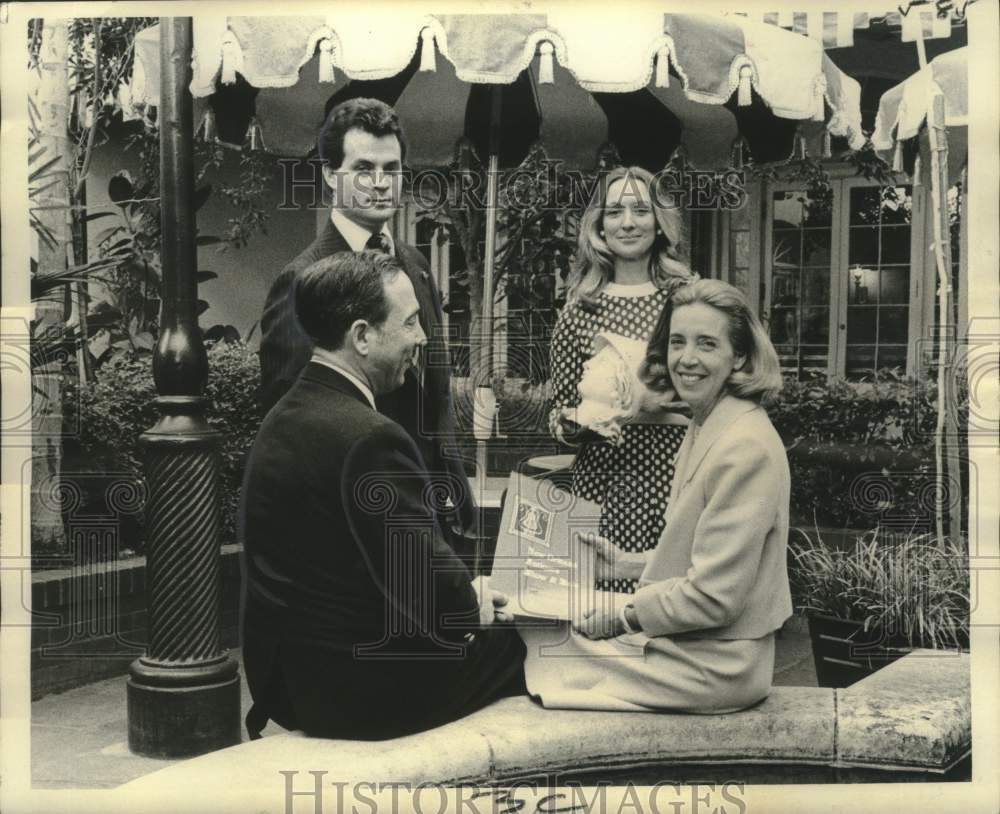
359	621
363	148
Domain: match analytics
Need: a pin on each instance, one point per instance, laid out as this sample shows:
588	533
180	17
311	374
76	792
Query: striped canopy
835	29
648	82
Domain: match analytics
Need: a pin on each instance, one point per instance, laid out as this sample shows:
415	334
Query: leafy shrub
860	454
106	417
904	586
233	381
891	411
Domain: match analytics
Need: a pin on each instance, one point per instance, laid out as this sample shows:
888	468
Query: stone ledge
885	723
794	725
915	713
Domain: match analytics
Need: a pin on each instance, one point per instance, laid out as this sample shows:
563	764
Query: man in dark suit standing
359	621
363	148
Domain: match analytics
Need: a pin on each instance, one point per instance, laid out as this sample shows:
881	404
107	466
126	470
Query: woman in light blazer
698	634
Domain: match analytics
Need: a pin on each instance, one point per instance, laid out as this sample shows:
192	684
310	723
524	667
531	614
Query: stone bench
910	721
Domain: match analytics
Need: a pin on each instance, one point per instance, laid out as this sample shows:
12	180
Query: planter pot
844	652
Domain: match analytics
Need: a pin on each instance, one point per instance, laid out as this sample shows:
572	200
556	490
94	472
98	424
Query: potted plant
870	604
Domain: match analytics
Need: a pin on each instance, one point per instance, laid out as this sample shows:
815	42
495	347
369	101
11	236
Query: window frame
844	178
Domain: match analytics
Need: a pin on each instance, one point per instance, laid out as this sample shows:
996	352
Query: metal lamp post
184	692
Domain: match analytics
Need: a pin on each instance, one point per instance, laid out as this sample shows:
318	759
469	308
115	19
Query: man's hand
491	603
611	562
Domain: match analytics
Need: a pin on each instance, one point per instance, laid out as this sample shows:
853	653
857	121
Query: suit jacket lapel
728	410
420	279
330	241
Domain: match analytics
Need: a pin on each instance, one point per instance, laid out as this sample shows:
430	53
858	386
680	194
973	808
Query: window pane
892	325
860	324
784	287
801	239
784	326
788	208
818	208
786	248
892	356
878	283
815	325
863	248
813	357
897	204
862	286
860	361
895	244
815	288
816	247
865	205
895	288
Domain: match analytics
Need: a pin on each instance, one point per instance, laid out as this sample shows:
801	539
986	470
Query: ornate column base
183	710
184	692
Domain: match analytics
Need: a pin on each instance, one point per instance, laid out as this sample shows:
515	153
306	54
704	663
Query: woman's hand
603	622
564	430
657	406
611	562
568	432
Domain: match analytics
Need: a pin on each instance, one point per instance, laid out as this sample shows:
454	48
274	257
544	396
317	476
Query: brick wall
89	623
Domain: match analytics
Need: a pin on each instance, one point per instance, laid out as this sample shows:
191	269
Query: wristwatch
623	615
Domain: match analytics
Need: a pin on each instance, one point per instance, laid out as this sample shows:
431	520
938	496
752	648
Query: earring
600	232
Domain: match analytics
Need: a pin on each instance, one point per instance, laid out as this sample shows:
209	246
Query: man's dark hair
371	115
337	290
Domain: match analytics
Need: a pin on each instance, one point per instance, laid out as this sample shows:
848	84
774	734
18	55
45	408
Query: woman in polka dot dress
626	267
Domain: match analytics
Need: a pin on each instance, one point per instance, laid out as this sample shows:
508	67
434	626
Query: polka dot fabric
631	482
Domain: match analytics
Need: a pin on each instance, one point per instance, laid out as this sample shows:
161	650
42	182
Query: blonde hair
759	377
594	263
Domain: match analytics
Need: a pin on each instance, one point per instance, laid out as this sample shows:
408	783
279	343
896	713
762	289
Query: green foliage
912	591
247	198
891	409
234	378
537	217
859	454
870	164
111	412
101	54
538	207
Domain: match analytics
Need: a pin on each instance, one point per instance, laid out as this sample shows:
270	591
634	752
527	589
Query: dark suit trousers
336	695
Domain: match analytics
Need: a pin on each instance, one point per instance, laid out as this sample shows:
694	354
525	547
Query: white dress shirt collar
355	234
327	359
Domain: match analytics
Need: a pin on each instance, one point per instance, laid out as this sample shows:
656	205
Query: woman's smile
700	356
690	379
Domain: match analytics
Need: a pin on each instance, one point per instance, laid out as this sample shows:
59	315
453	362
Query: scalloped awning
647	81
904	108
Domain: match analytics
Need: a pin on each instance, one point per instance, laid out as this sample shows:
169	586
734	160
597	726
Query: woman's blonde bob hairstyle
594	264
759	377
